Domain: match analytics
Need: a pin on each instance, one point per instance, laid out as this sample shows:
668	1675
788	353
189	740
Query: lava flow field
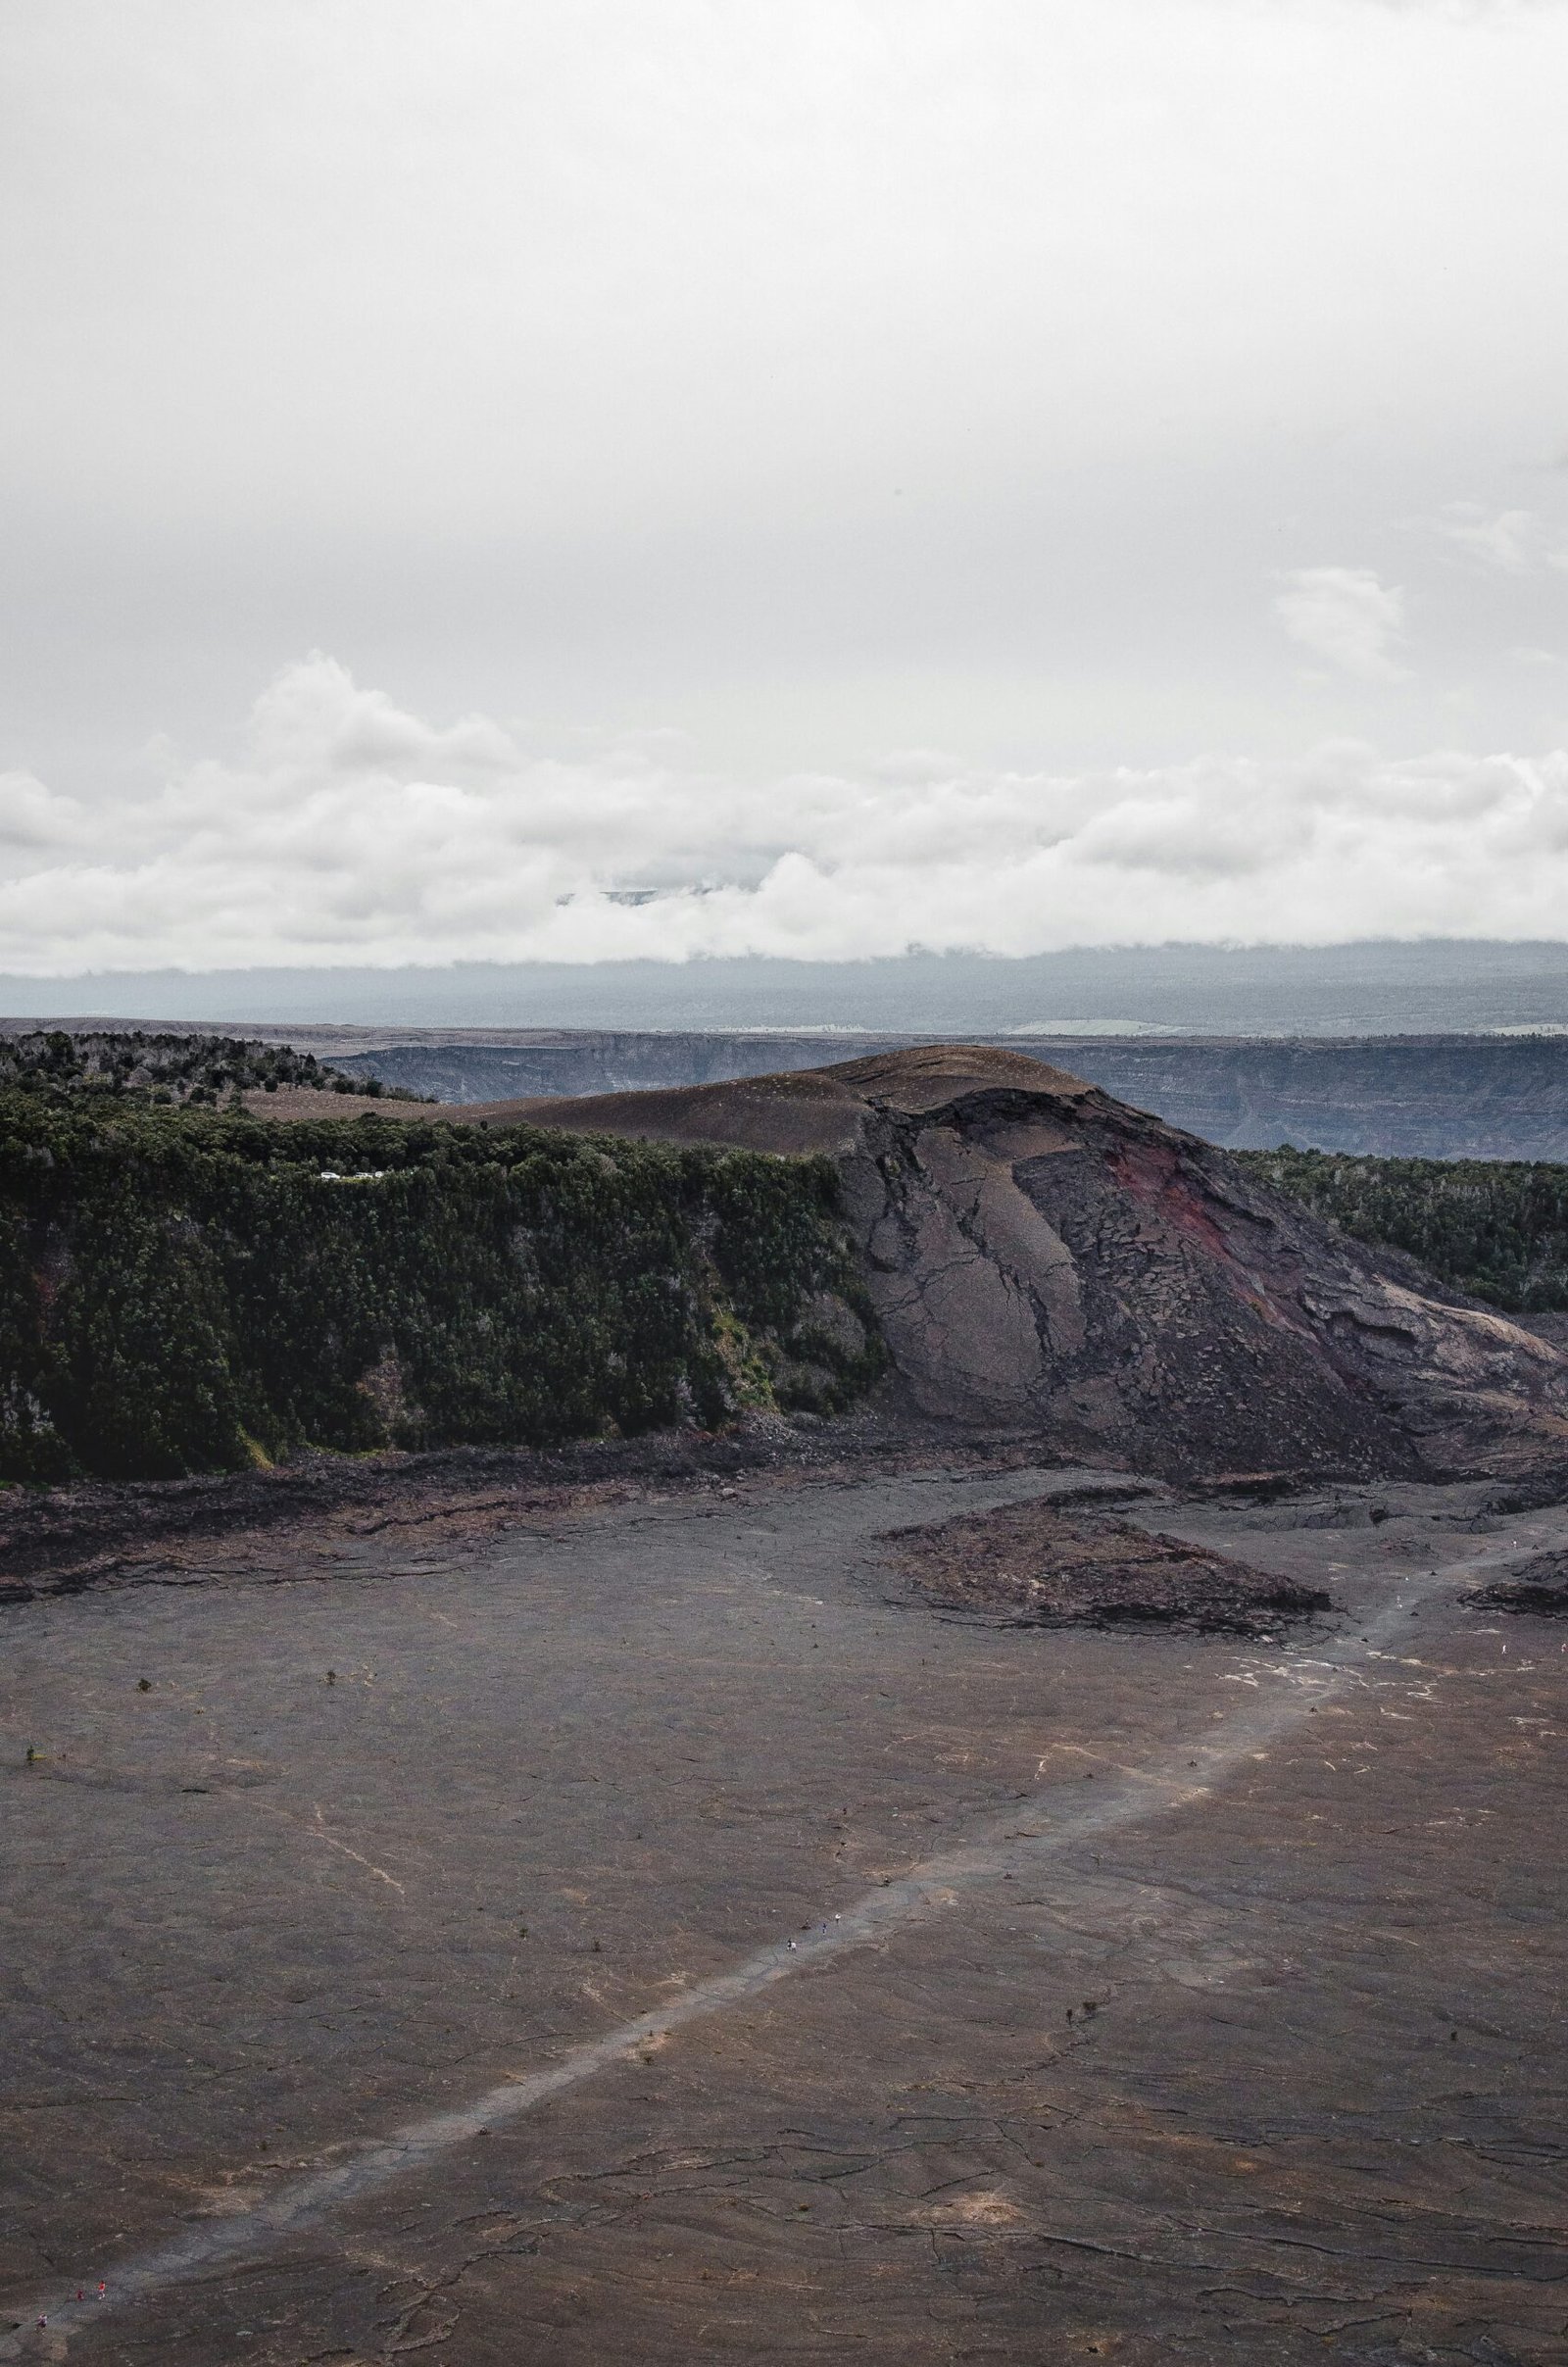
664	1930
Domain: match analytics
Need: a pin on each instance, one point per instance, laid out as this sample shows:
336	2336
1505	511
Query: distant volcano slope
1043	1258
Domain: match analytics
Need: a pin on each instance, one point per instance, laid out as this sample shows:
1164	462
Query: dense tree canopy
159	1068
188	1290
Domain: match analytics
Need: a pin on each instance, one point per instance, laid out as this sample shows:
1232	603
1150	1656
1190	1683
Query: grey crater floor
660	1942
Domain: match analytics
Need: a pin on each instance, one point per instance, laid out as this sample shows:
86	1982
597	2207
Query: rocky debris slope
1540	1587
124	1534
1044	1258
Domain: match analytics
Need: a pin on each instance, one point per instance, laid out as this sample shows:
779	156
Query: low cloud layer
349	831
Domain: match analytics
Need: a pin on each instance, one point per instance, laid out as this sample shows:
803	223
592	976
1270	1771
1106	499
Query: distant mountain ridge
1411	1097
1438	1096
1498	1097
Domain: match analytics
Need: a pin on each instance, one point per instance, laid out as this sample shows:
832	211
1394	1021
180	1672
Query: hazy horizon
1380	987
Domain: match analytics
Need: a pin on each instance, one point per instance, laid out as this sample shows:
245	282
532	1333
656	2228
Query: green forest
1498	1229
189	1290
183	1068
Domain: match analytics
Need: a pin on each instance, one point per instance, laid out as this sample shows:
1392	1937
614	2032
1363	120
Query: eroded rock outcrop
1044	1258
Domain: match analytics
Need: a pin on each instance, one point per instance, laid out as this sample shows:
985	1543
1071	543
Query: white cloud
1345	614
1514	542
353	832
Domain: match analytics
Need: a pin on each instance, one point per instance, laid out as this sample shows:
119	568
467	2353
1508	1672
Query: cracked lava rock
1540	1586
1030	1566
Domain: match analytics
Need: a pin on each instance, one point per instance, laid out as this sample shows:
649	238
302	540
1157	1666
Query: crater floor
650	1934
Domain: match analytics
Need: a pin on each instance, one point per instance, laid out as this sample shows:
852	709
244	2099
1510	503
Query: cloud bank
351	832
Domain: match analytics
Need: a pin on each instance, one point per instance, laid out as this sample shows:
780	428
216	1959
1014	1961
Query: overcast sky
799	477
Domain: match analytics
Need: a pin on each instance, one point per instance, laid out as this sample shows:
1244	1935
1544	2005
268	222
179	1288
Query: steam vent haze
646	480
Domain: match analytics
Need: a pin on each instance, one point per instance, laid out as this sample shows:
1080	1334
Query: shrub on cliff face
1497	1228
184	1292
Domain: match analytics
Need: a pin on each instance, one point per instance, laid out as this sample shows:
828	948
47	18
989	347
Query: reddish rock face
1044	1258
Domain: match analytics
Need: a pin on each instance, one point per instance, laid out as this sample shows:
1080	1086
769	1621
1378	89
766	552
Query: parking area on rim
642	1937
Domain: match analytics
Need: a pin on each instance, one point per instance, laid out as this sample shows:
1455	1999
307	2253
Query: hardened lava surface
1198	1998
1041	1564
